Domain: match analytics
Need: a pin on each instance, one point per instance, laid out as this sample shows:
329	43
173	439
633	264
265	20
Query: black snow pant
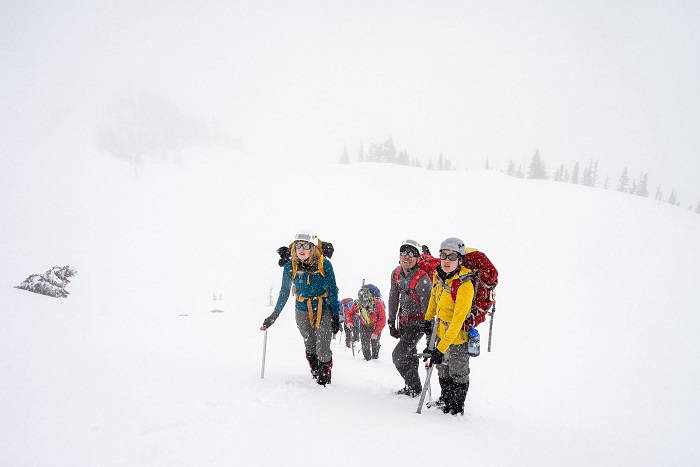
370	348
405	353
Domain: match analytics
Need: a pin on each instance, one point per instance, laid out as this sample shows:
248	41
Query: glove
394	332
374	337
267	322
428	328
335	324
426	353
436	357
426	250
285	256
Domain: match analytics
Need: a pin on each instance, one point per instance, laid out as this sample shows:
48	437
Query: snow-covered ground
594	357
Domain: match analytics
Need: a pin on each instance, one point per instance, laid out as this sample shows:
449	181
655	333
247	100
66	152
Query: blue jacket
317	285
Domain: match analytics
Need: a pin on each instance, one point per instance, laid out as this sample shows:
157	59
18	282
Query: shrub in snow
52	283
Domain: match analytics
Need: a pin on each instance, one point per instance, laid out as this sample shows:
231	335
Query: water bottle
474	343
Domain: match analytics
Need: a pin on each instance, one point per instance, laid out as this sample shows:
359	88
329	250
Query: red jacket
377	318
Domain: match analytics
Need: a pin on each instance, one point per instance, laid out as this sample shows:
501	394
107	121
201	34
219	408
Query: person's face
447	263
303	250
407	260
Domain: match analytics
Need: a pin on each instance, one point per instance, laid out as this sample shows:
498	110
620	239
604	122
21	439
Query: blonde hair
314	256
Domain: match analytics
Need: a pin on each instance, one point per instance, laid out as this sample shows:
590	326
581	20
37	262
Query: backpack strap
411	286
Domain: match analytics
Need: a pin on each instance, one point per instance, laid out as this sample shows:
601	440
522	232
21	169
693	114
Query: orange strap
319	311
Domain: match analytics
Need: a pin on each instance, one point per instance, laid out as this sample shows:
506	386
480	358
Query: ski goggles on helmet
451	256
304	245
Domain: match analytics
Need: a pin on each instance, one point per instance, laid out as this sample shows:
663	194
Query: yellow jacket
451	313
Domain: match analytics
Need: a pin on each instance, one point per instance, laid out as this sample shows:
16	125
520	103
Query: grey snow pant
316	341
455	364
405	356
370	348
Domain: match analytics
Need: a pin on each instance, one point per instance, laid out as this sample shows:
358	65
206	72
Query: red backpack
484	277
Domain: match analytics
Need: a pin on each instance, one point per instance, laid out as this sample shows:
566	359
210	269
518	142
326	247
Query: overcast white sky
614	81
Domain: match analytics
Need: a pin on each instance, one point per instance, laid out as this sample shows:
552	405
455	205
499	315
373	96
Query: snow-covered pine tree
345	157
537	168
574	174
642	189
519	173
52	283
673	198
511	169
658	195
622	185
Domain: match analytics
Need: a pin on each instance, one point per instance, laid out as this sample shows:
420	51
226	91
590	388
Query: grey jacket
401	301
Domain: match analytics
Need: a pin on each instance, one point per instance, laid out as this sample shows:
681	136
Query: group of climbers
450	294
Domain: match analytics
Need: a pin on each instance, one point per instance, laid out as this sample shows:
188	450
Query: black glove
428	328
436	357
394	332
426	250
426	353
335	323
269	321
285	256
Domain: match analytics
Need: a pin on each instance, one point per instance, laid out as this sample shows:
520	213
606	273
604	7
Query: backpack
374	290
484	277
426	266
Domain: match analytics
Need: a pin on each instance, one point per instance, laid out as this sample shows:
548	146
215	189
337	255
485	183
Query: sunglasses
304	245
451	256
410	253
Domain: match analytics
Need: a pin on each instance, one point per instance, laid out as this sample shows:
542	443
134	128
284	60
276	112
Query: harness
319	310
411	292
309	306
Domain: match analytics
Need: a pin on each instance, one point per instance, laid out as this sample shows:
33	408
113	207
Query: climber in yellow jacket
451	301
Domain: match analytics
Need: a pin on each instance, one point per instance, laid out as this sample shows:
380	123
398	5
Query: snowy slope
593	361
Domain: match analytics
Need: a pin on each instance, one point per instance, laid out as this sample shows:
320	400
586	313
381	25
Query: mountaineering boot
445	389
410	392
459	394
448	393
324	372
313	364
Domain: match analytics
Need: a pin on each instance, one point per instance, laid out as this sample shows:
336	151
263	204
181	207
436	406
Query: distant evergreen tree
658	195
622	185
607	183
697	208
537	169
446	164
345	158
673	198
519	173
574	174
430	165
558	175
361	156
590	174
642	189
633	188
403	158
587	176
52	283
511	169
440	163
487	164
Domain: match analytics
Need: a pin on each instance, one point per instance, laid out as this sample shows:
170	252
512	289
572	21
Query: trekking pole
262	372
493	311
431	346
